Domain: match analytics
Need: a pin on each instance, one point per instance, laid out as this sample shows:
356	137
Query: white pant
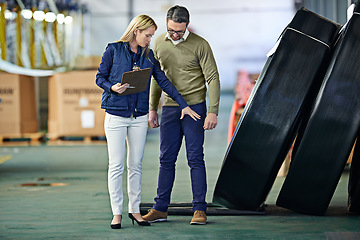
134	130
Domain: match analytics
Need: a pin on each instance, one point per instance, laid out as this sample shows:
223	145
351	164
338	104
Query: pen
130	87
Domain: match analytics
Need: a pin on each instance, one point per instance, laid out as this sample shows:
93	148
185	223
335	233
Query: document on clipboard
138	80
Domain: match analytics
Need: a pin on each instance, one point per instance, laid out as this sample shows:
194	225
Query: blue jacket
115	61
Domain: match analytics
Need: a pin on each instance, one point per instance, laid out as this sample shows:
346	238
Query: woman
126	115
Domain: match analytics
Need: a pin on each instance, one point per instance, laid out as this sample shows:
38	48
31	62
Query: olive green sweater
188	65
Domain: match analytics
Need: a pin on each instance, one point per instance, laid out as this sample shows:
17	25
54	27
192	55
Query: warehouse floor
60	192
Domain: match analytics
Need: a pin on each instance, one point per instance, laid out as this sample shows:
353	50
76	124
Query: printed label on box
87	119
83	102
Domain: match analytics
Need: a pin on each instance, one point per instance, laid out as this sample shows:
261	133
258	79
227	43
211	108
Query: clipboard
137	79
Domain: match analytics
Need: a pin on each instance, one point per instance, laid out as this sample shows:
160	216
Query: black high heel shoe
115	226
140	223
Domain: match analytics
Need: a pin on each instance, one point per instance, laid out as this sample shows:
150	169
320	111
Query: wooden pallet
74	140
21	139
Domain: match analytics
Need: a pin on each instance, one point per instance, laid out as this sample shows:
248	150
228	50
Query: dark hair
178	14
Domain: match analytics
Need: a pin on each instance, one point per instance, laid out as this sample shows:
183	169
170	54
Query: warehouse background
44	38
53	169
240	32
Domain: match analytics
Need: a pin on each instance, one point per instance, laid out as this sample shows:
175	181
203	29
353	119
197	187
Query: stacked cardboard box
17	105
87	62
74	105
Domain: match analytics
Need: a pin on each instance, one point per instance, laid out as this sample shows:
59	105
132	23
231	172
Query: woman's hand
153	119
189	112
118	88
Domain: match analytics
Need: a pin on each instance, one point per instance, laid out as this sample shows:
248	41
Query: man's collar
186	34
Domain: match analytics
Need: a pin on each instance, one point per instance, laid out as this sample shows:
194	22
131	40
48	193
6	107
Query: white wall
240	32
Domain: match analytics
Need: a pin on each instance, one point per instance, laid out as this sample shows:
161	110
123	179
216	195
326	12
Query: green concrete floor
80	209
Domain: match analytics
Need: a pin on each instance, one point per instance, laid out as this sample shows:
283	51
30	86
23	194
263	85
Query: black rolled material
330	133
287	84
354	180
357	6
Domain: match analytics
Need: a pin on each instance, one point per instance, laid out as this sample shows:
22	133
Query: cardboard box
87	62
17	105
74	105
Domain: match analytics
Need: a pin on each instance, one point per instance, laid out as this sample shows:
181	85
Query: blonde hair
140	22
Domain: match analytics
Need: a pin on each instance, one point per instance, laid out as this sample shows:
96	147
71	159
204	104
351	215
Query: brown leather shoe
155	216
199	218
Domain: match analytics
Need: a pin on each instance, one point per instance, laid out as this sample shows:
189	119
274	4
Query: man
188	62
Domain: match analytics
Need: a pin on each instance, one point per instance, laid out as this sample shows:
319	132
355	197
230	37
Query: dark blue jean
172	130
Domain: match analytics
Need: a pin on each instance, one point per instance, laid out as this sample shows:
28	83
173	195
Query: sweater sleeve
208	65
162	82
104	70
155	94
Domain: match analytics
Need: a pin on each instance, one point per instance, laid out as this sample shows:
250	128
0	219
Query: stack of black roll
309	88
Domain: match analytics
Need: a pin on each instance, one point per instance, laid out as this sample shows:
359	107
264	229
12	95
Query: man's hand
210	121
190	112
153	119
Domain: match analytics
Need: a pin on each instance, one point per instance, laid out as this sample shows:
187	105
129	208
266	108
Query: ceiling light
68	19
26	13
60	18
50	17
39	15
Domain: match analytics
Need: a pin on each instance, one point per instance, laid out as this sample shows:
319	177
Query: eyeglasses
177	32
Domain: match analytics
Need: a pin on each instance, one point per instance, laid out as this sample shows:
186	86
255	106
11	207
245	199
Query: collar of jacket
143	52
128	49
